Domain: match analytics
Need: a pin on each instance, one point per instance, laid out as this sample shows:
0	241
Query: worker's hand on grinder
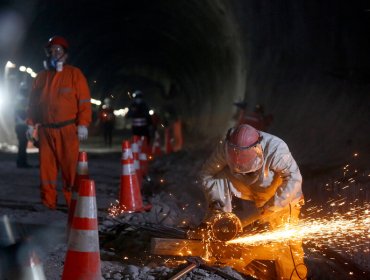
82	132
265	210
29	132
216	207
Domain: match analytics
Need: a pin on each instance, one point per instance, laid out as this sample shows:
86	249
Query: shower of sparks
341	229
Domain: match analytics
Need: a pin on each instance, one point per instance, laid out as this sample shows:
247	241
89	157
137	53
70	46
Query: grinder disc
224	226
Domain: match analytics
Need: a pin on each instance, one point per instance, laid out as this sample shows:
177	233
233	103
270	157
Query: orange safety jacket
58	97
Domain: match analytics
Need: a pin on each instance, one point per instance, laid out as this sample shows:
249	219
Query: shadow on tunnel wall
307	63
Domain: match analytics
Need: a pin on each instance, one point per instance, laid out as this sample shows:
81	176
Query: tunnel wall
306	63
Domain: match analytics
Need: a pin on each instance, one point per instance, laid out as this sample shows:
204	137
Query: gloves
82	132
29	133
216	205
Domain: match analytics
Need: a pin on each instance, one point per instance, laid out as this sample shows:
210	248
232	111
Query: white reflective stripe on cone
82	168
86	207
128	169
142	156
137	164
135	148
126	154
83	240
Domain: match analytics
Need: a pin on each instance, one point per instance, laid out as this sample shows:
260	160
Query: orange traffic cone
83	256
82	172
143	156
156	148
177	136
136	152
130	199
167	141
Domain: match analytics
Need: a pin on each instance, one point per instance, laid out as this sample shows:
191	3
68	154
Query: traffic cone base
87	266
83	257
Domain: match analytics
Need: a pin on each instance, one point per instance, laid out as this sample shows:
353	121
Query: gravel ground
176	201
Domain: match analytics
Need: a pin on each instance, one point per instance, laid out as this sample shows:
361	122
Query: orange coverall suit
59	101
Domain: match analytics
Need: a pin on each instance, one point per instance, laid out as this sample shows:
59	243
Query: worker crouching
257	166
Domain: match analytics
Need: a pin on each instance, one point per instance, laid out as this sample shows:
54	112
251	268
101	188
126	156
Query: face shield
244	159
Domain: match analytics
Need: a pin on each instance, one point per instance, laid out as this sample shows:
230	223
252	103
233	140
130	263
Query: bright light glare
120	112
33	75
22	68
151	112
2	97
10	64
95	102
29	70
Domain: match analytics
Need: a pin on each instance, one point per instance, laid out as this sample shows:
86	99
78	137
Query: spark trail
340	229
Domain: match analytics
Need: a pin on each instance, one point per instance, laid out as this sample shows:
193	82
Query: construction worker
107	120
21	126
257	166
141	120
256	118
60	103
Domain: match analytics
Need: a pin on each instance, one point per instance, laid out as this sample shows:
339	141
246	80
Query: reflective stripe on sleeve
84	100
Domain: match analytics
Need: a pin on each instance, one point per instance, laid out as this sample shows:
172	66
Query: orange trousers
58	151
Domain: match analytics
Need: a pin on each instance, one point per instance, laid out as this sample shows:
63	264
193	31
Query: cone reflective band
135	151
130	197
82	166
82	172
143	163
83	256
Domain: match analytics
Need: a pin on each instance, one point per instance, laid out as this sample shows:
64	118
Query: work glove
29	133
82	132
216	206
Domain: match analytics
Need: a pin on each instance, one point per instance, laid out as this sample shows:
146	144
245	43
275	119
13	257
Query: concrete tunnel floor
177	200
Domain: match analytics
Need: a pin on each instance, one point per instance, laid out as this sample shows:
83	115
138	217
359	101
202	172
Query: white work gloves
82	132
29	133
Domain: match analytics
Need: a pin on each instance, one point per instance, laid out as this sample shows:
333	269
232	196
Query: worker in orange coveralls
60	105
257	166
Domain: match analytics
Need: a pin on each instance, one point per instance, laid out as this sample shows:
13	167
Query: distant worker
107	120
21	126
257	166
256	118
60	103
141	120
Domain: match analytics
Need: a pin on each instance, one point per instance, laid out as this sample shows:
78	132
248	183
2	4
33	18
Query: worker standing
141	120
257	166
107	120
21	126
60	103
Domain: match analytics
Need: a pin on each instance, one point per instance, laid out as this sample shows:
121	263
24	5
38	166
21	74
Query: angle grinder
221	226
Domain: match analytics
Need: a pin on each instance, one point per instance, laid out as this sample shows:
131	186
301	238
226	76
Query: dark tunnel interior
306	62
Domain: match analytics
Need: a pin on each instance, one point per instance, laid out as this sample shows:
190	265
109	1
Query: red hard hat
57	40
243	150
